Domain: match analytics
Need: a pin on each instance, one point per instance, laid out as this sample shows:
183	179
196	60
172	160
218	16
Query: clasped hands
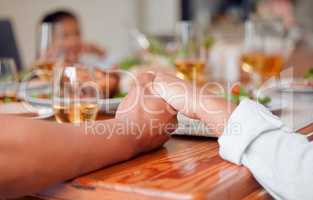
154	100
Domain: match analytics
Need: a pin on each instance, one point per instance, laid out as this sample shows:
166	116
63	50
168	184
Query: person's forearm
36	154
280	160
282	163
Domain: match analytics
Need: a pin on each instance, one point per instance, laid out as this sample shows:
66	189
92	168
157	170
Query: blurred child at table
67	37
67	43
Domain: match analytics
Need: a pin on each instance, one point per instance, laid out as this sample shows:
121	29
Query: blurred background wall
105	22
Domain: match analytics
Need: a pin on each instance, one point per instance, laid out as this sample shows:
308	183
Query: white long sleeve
281	161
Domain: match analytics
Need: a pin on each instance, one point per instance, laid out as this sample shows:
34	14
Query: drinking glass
265	50
75	94
8	79
191	55
47	53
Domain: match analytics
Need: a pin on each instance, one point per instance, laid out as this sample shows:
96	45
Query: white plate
34	88
8	87
192	127
44	113
26	93
106	105
299	90
289	85
23	108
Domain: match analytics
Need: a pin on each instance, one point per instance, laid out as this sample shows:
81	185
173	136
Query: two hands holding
152	105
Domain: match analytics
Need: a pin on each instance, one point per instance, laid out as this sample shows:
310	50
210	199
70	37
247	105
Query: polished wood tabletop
185	168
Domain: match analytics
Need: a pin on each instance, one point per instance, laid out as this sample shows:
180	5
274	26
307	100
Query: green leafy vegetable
156	47
239	93
208	43
119	95
243	92
309	74
129	62
24	74
264	100
7	100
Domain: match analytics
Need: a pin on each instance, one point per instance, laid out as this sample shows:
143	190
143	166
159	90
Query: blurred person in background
293	14
282	9
67	37
304	15
296	16
67	44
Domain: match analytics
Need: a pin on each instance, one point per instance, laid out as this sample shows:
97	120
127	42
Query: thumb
181	95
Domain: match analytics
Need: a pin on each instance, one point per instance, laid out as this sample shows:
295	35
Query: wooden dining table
186	167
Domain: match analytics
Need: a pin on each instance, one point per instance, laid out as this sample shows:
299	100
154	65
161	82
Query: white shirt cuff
248	121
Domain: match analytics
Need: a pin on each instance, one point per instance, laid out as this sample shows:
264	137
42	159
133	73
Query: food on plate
303	83
108	82
239	92
120	95
309	77
9	99
41	95
129	62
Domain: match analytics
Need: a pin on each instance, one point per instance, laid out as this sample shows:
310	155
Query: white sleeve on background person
281	161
